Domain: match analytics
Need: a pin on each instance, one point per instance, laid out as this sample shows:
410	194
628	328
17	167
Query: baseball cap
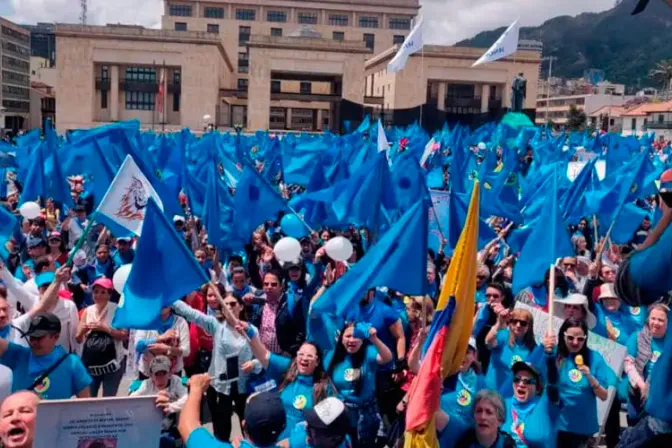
34	242
44	278
55	234
265	418
159	364
104	283
124	239
472	343
296	263
65	294
607	291
43	324
527	367
329	414
178	218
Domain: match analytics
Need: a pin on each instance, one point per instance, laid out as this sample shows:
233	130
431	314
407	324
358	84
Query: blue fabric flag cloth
254	202
163	271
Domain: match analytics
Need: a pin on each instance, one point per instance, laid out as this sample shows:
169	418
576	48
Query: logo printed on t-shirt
575	375
43	386
635	311
655	355
464	398
351	374
515	359
299	402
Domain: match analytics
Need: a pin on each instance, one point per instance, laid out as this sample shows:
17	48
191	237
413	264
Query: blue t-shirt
636	314
345	378
68	379
202	438
381	316
532	424
299	438
659	403
502	358
296	397
579	403
458	403
480	294
623	326
122	258
656	351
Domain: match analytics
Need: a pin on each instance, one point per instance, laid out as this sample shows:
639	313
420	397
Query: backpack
99	354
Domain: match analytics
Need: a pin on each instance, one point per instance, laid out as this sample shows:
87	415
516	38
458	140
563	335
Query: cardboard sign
613	353
109	422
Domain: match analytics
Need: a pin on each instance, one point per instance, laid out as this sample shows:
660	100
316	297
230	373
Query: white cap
578	299
481	145
178	218
472	342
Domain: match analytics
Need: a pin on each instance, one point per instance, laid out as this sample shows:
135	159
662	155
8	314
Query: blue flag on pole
163	271
254	202
8	224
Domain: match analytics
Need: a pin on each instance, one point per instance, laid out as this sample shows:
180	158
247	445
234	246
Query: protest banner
112	422
574	168
613	353
438	217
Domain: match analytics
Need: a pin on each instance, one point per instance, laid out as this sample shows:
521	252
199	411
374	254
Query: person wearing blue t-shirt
644	350
301	381
326	426
584	377
124	253
532	412
457	399
353	369
510	340
264	419
612	323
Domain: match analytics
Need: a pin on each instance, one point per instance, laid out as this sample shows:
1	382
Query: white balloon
30	210
287	249
120	277
339	248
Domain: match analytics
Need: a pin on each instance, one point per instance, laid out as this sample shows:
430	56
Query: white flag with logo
412	44
506	45
430	148
126	199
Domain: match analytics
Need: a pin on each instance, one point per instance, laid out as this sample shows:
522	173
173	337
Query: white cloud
447	21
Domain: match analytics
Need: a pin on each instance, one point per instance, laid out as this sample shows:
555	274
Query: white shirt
178	393
66	311
91	315
181	328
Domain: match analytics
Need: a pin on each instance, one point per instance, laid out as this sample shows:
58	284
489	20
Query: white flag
412	44
126	199
383	145
506	45
430	147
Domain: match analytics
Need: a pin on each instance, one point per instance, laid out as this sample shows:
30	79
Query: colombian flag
449	335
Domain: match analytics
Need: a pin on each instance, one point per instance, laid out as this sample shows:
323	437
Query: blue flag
255	201
8	223
35	185
163	271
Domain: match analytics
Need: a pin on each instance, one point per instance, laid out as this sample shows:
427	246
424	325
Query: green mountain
626	47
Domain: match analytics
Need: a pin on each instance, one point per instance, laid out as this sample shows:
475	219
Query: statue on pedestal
518	93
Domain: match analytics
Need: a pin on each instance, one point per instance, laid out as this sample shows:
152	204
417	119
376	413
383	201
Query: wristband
251	332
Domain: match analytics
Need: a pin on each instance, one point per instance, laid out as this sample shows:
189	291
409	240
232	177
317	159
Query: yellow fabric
425	438
461	283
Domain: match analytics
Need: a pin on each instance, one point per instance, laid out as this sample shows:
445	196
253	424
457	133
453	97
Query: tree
576	120
662	72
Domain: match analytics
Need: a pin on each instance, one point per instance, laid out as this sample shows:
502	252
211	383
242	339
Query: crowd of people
240	344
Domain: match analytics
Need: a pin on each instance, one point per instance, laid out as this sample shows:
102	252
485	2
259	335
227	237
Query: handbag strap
47	372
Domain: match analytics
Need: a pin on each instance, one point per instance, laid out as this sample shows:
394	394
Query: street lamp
550	60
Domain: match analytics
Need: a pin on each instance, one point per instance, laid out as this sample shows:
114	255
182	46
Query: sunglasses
522	322
579	339
271	284
493	296
55	241
481	277
525	381
569	265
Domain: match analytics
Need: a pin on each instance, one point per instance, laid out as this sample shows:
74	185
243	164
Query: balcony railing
495	103
456	101
135	85
659	125
102	84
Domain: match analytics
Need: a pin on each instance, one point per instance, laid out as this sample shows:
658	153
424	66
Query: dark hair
101	245
236	258
41	263
563	351
560	281
3	292
507	295
276	273
321	381
357	359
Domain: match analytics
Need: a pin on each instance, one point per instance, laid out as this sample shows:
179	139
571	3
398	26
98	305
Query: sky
446	21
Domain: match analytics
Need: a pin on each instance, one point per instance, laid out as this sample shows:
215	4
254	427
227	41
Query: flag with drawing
506	45
125	201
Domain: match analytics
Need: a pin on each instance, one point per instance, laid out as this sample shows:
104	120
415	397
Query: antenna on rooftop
84	9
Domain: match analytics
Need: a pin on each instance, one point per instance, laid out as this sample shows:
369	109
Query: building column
506	95
259	90
318	115
485	98
441	100
288	118
114	93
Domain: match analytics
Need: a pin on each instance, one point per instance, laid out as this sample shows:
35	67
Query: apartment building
15	76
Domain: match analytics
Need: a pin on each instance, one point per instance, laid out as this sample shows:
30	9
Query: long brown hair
528	340
321	382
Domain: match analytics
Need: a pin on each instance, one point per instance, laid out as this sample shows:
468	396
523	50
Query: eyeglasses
522	322
230	304
579	339
308	356
493	296
569	265
525	381
271	284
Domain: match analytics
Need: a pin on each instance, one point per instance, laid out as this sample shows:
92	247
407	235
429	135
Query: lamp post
550	60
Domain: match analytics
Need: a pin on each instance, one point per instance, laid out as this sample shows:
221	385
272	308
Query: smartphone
259	298
232	372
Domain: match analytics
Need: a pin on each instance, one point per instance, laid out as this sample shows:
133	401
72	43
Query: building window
180	26
338	20
398	23
103	99
633	124
24	38
339	35
179	10
141	74
368	22
275	86
246	14
239	116
661	118
140	100
398	40
277	32
276	16
242	84
307	18
306	88
370	40
16	64
243	35
214	13
213	28
104	72
177	79
15	77
243	62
